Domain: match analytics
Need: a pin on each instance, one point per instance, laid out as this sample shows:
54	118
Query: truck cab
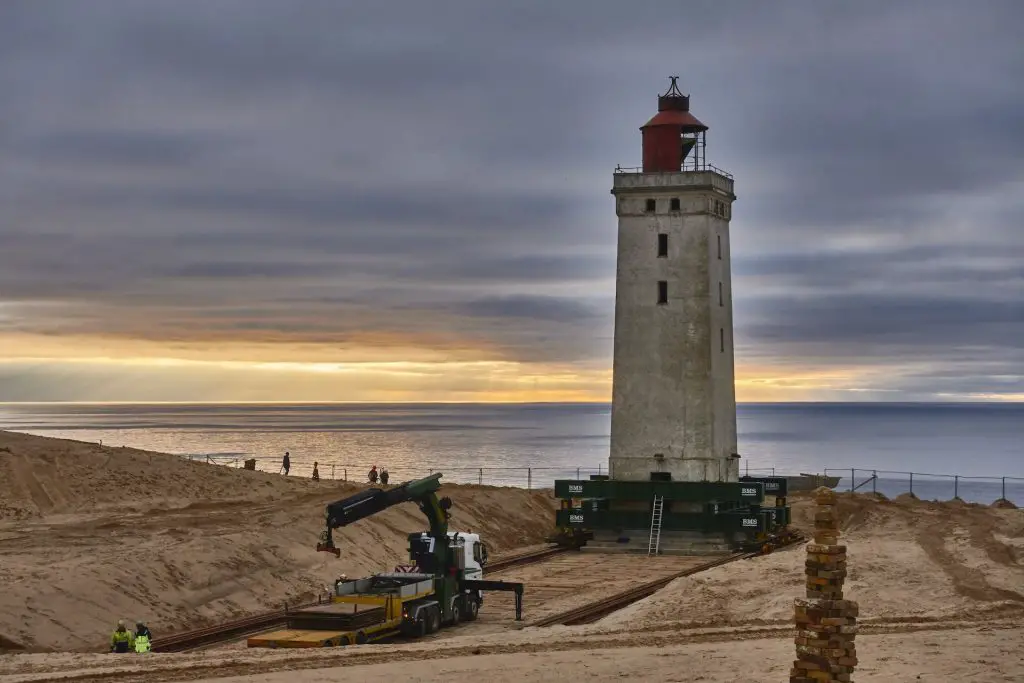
473	551
469	553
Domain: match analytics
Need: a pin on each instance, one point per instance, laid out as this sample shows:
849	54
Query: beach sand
940	585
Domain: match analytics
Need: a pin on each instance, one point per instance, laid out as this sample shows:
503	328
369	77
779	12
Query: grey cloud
317	168
117	148
530	308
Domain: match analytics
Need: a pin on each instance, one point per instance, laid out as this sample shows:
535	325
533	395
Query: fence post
956	487
480	479
345	474
332	471
746	464
1004	488
773	471
853	477
577	474
529	477
911	482
874	482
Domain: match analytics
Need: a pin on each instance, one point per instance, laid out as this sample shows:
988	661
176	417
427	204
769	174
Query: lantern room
674	140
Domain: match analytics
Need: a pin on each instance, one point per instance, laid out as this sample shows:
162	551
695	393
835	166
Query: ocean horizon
531	444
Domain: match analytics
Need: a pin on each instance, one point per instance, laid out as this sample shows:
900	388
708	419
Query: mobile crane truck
443	586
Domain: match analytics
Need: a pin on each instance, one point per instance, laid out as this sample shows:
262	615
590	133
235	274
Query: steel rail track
238	628
525	559
219	633
588	614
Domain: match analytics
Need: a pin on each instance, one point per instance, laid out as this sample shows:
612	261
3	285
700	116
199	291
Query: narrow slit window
721	339
651	205
662	245
720	294
662	291
719	247
674	205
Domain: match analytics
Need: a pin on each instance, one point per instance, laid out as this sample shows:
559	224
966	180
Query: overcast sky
254	200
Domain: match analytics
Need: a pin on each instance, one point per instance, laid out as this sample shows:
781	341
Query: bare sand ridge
90	534
940	586
909	560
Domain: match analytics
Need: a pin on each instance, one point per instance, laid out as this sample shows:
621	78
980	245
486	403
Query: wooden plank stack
826	623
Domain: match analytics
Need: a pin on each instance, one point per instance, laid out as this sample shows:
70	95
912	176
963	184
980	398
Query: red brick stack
826	623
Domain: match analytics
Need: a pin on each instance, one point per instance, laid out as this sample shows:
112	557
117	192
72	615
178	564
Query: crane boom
371	501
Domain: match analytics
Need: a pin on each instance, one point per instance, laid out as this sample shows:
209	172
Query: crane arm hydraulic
367	503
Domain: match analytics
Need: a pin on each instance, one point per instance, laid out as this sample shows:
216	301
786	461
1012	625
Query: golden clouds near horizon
98	369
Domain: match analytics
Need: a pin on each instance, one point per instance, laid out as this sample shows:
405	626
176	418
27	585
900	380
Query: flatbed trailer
377	608
365	610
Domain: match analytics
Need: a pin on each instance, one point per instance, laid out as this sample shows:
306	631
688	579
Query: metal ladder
655	540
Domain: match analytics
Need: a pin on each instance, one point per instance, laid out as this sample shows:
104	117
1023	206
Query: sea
974	451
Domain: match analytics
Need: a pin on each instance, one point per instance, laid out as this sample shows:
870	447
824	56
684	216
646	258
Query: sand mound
46	476
95	534
1003	504
909	561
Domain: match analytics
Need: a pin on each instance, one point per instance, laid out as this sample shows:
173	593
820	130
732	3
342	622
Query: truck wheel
361	638
472	609
456	613
433	619
420	629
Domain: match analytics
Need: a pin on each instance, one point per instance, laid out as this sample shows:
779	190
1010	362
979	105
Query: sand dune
90	534
909	561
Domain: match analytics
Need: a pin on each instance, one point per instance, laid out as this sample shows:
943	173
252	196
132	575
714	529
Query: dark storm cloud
310	170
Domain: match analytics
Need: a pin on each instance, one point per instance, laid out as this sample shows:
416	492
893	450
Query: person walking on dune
316	472
286	464
121	640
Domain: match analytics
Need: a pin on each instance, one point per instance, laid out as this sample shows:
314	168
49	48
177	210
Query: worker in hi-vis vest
143	638
121	640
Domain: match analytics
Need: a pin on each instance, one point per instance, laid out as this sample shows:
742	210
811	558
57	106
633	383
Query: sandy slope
90	534
909	561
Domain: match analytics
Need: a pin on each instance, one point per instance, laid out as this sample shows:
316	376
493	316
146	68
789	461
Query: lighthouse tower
673	395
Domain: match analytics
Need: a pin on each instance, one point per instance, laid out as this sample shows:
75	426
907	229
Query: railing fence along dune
930	486
973	489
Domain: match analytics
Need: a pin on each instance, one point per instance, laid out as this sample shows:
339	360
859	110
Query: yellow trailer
362	611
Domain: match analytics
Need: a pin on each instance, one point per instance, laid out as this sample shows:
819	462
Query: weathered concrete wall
673	391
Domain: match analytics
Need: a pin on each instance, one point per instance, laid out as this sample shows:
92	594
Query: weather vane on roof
673	90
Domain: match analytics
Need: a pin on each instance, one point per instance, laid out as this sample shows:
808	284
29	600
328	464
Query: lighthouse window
662	245
662	291
720	294
719	247
721	339
651	206
674	206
